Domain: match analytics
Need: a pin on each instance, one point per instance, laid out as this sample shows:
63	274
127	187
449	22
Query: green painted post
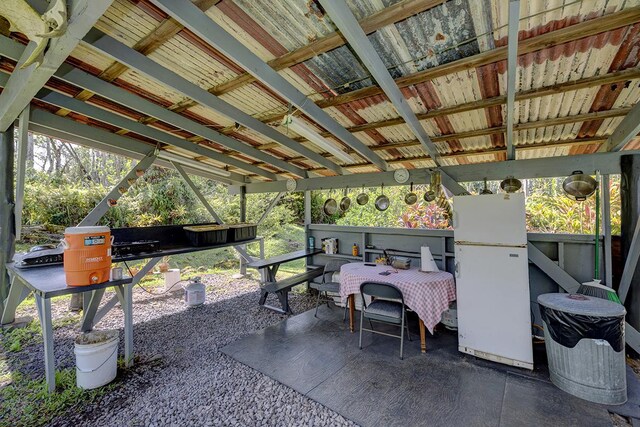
7	219
596	273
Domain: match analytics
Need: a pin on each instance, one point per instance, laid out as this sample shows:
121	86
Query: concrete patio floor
319	358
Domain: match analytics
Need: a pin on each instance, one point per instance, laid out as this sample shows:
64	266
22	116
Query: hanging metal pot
363	198
510	184
330	206
429	195
486	190
382	201
579	186
411	197
345	202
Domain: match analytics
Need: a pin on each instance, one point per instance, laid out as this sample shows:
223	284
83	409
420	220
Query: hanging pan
579	186
363	198
330	206
430	195
345	202
486	190
510	184
382	201
410	198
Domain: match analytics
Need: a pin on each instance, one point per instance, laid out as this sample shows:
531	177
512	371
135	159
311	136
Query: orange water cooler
87	255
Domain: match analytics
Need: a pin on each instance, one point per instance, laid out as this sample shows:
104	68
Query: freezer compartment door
492	219
494	317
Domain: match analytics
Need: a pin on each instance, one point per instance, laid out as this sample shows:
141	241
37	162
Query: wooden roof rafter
567	34
216	36
141	63
454	122
343	18
83	80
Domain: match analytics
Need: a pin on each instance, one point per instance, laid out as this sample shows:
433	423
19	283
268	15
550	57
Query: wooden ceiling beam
358	41
578	118
163	32
585	83
213	34
24	83
574	32
390	15
464	154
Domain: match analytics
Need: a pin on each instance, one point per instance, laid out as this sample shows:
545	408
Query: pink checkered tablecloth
428	294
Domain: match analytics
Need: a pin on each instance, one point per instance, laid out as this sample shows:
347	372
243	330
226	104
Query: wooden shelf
344	256
436	256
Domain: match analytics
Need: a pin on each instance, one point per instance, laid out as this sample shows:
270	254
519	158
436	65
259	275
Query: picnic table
269	284
49	282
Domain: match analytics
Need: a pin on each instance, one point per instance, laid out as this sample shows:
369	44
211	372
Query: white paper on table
427	262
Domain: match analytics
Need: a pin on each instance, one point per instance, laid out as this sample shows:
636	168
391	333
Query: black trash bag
568	328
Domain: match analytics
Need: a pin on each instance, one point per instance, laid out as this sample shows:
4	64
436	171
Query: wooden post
606	225
630	211
7	218
243	204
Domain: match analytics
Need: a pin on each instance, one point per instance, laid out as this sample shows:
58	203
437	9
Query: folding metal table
49	282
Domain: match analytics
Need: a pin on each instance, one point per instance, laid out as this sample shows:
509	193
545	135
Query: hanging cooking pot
429	195
363	198
411	197
486	190
345	202
330	206
579	186
382	201
510	184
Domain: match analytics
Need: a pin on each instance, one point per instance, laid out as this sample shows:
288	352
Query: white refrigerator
492	278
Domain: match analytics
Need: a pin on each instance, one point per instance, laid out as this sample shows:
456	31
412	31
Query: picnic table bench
269	284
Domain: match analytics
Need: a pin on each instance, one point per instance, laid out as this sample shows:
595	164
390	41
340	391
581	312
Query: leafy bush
424	215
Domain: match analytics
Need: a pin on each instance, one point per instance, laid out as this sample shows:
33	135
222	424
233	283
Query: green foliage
26	402
368	215
16	339
399	214
558	214
159	197
65	182
424	215
549	210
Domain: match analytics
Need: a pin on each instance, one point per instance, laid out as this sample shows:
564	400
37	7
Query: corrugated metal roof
447	32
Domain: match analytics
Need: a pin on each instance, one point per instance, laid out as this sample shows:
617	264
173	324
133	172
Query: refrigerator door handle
457	270
455	220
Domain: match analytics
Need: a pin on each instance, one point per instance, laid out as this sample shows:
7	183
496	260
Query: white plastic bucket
171	277
96	358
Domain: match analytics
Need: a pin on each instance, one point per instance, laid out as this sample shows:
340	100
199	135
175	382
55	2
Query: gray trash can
584	339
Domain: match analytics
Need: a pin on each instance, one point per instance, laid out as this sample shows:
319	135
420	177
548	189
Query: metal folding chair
328	285
384	311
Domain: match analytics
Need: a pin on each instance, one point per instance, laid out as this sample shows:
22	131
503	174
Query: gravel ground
181	377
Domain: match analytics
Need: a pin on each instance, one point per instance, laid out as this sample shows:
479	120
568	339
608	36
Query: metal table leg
125	295
17	293
90	309
44	312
